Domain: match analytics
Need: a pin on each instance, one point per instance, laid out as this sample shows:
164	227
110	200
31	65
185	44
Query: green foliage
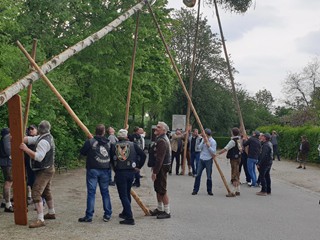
290	137
221	141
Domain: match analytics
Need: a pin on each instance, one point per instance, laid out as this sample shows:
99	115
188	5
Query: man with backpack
234	148
6	166
127	158
97	150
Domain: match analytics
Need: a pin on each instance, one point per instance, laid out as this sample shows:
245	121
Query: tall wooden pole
186	93
235	97
132	70
17	156
27	105
73	115
190	87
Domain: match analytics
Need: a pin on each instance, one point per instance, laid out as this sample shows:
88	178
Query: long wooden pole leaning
73	115
132	70
55	91
28	100
235	97
190	88
187	94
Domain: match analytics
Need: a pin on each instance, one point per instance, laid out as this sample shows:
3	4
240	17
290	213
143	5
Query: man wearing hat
208	149
97	150
264	165
6	166
253	154
126	158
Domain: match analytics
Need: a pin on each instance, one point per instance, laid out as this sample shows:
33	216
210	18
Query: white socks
40	217
167	208
51	211
160	206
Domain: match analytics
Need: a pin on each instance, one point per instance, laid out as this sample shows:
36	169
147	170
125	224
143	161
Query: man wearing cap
42	161
208	150
264	165
127	158
253	154
6	166
97	150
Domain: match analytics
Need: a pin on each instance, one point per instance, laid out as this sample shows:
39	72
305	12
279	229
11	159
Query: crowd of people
124	154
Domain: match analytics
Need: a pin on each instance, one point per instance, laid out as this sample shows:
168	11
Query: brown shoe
237	193
261	193
231	194
37	224
49	216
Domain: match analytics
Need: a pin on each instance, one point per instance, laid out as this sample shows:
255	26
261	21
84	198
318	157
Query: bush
221	141
290	137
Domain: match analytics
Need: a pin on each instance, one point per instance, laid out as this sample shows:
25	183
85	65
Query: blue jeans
124	181
251	164
203	164
101	177
194	164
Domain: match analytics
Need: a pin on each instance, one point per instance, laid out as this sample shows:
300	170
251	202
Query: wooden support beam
18	167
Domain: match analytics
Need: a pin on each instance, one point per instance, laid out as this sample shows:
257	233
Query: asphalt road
291	212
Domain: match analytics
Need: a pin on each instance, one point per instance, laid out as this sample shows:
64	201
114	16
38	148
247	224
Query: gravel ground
69	192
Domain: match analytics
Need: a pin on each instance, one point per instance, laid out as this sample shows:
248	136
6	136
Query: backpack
235	152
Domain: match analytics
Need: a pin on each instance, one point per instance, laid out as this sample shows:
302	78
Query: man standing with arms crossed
162	155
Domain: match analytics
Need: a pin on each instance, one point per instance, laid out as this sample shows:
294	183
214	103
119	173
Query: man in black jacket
127	158
97	150
264	165
253	154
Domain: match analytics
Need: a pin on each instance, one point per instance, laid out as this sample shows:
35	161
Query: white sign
179	121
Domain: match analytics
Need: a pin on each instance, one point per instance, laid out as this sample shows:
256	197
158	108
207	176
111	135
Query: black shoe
127	222
194	193
3	205
210	193
9	209
135	184
112	183
106	218
121	215
85	219
299	167
164	215
155	212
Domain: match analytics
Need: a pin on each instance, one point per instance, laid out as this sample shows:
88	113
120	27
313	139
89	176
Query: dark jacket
5	161
254	147
87	150
266	155
139	156
305	147
163	153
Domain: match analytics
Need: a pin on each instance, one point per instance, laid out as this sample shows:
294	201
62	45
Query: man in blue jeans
253	154
97	150
208	150
194	142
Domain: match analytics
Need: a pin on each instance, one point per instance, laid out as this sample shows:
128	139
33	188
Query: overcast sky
273	38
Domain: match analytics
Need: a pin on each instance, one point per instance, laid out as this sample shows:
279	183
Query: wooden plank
18	167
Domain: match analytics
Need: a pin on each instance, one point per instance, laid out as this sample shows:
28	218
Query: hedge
289	139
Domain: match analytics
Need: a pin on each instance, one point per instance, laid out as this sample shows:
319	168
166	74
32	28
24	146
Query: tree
264	98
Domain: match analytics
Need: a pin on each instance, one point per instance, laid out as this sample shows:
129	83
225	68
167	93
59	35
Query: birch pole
21	84
235	97
190	89
187	95
28	100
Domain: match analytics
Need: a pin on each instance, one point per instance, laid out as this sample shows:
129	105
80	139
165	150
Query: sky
273	38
